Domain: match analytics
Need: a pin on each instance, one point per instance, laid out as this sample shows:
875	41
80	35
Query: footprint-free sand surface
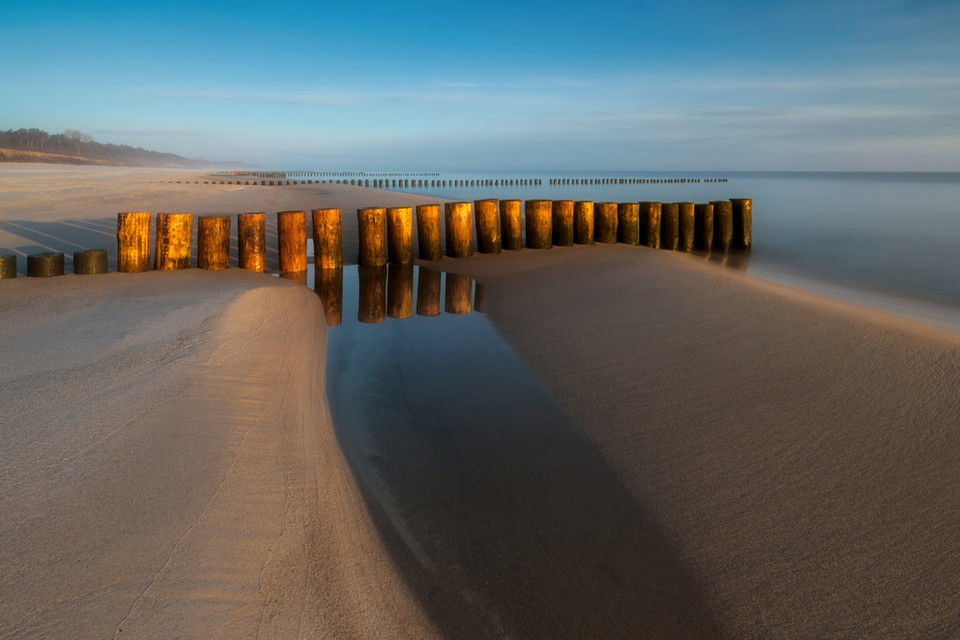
724	457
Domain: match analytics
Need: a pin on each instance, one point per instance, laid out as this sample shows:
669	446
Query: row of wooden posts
322	174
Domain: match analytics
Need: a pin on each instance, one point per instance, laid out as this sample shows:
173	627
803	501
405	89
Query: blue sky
497	85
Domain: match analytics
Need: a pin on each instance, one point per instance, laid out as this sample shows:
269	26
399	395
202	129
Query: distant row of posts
281	179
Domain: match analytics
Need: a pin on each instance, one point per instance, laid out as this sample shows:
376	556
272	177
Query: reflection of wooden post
372	228
428	232
328	283
685	211
650	220
670	229
511	225
89	261
458	297
8	266
722	225
400	290
45	265
742	222
488	225
583	222
703	227
539	223
133	242
373	294
478	298
213	243
174	241
252	241
400	235
327	238
628	223
428	292
562	221
459	223
292	241
605	222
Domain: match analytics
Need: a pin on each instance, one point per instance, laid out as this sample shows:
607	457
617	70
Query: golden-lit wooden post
685	211
583	222
511	225
252	241
650	224
292	241
670	226
400	235
722	225
372	228
133	242
458	297
539	223
8	266
328	284
428	292
213	242
459	227
488	225
428	232
562	221
703	227
400	290
742	222
605	222
373	294
327	238
628	223
174	241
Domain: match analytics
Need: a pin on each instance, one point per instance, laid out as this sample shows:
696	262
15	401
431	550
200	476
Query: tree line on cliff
82	147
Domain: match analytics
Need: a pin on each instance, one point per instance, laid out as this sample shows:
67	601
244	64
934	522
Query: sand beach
723	457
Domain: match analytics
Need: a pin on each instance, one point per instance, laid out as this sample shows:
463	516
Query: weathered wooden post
605	222
583	222
685	211
373	294
458	297
650	224
628	223
252	241
428	232
703	227
722	225
174	241
372	228
539	223
670	229
400	290
562	221
292	241
45	265
328	284
400	235
8	266
428	292
89	261
213	242
327	238
488	225
742	222
511	225
133	241
459	227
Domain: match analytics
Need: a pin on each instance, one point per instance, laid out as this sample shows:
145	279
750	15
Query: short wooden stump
90	261
8	266
45	265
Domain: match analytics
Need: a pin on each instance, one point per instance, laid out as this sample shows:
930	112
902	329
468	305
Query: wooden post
400	290
428	292
373	294
45	265
327	238
722	225
8	266
650	224
742	222
685	211
459	229
133	242
562	221
703	227
628	223
328	284
292	241
400	235
583	222
174	241
213	242
488	225
539	223
89	261
458	297
670	229
511	225
605	222
252	241
372	228
428	232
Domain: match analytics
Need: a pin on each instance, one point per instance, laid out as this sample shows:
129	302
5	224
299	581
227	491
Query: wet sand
722	457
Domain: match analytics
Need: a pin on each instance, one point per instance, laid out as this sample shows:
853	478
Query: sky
498	85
